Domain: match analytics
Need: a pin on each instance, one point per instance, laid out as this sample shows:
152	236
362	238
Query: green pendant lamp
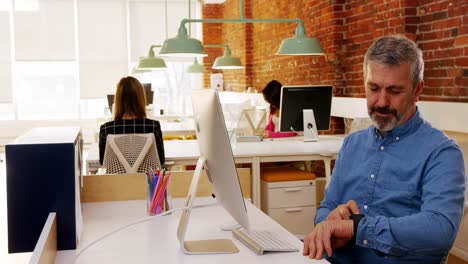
136	70
300	44
196	67
151	61
227	62
182	46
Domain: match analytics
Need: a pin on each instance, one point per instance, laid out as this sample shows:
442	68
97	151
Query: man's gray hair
395	50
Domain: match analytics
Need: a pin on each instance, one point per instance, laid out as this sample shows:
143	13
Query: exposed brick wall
363	22
212	34
345	30
443	37
236	38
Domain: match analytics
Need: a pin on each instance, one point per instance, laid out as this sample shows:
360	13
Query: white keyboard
261	241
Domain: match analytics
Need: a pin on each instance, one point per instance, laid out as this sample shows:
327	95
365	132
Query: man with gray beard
397	190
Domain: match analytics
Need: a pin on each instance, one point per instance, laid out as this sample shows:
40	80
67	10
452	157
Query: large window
172	88
46	90
60	59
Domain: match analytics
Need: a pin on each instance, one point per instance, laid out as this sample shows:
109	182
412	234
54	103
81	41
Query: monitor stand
199	247
310	129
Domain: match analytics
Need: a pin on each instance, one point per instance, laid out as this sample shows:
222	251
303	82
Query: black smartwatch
356	218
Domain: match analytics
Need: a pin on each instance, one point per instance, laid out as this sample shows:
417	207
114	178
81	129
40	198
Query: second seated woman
272	94
130	116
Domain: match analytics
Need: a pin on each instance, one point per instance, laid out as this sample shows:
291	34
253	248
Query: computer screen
217	159
148	93
110	101
296	98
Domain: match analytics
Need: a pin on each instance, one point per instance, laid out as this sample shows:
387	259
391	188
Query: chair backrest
251	122
130	153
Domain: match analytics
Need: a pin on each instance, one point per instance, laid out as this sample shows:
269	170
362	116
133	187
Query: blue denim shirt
410	185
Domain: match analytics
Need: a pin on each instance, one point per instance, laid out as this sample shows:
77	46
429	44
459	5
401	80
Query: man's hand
326	236
344	211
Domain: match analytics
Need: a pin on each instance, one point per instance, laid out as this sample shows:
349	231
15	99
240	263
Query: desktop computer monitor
295	105
110	101
148	93
217	159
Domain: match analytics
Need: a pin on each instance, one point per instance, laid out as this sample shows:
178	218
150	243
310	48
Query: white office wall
103	49
5	55
5	82
147	27
5	48
450	116
148	23
45	34
178	10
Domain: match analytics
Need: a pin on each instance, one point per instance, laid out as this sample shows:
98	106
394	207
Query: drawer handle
292	189
292	210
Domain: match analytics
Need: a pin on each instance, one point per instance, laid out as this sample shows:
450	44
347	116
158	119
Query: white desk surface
49	135
281	148
186	152
155	241
180	127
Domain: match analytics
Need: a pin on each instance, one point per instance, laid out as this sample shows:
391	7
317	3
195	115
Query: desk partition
43	176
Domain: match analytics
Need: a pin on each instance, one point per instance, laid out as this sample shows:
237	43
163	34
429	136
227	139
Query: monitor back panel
294	99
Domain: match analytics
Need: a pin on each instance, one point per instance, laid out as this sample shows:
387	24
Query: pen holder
156	201
156	207
149	199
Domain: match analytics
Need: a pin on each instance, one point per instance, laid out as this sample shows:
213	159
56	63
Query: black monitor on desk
297	98
110	101
148	93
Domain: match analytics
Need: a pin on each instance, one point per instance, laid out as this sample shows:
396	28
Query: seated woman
272	94
130	116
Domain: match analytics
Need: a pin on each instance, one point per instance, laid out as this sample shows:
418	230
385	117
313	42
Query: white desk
184	127
156	241
186	152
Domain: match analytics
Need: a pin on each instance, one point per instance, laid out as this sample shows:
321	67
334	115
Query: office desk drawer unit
291	203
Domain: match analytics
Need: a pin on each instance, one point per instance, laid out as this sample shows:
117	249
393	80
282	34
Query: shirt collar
404	129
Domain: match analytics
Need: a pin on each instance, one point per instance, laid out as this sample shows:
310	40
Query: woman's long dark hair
130	99
272	94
